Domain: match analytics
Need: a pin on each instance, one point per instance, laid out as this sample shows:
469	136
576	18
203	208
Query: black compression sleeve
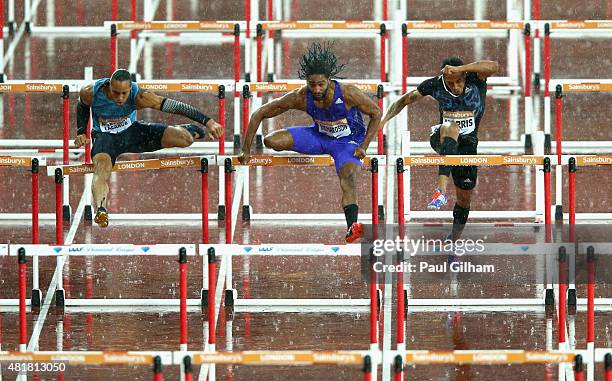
82	115
177	107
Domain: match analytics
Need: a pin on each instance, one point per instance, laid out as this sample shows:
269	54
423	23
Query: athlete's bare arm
483	69
148	99
354	96
399	105
295	100
83	109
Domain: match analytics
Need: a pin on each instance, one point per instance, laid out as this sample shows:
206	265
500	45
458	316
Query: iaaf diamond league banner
517	255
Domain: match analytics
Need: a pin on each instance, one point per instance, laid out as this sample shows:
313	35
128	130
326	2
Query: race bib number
335	128
465	120
114	126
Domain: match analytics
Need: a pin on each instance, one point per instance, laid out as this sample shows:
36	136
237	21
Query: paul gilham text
426	267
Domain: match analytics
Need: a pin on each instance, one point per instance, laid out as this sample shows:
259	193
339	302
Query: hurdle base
270	77
571	297
221	213
36	298
236	141
11	27
28	27
204	298
88	214
2	78
381	212
379	298
558	213
246	213
60	298
66	213
549	298
259	141
230	297
547	145
528	142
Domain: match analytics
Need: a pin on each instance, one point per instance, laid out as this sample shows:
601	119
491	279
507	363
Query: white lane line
225	263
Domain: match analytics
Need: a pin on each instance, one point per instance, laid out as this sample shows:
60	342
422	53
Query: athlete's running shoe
101	217
438	200
354	232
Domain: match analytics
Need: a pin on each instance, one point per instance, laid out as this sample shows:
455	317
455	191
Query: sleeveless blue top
336	121
108	116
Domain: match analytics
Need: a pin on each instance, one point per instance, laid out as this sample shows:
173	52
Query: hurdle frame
562	87
151	27
56	251
536	215
199	162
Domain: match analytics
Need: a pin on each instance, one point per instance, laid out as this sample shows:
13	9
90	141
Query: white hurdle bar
300	161
119	250
139	165
536	215
290	250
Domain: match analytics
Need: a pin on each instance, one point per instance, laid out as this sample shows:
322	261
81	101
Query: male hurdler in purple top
338	128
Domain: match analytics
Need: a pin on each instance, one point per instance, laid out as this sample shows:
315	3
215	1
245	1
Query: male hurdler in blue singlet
338	128
113	103
461	93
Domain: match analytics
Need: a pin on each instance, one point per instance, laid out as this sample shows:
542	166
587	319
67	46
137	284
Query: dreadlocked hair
319	59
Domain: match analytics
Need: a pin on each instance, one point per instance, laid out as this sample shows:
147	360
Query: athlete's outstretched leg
181	136
461	211
449	134
103	166
348	184
280	140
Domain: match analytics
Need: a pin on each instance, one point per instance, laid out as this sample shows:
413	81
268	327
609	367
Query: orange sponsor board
283	25
365	87
586	87
216	25
582	24
433	25
278	358
80	358
167	26
125	358
180	87
137	165
273	87
15	161
176	25
337	358
594	160
548	357
487	357
30	88
316	160
477	160
264	161
283	87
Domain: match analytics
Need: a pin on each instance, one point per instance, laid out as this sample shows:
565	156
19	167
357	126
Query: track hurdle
560	90
566	29
233	302
49	87
199	162
219	27
371	163
477	160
